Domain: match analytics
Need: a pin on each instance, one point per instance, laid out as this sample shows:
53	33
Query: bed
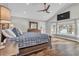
30	39
30	42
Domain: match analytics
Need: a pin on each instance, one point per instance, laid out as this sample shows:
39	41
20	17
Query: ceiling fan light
24	12
60	3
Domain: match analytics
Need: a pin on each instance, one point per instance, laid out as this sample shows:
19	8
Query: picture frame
33	25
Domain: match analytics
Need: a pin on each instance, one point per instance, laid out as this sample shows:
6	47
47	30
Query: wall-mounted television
63	16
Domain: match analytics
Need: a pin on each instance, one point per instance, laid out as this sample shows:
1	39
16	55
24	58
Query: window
78	28
66	28
53	28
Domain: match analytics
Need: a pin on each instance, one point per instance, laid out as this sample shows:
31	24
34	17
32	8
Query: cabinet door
5	13
5	26
8	15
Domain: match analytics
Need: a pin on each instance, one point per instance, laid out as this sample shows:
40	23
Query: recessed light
60	3
27	3
24	12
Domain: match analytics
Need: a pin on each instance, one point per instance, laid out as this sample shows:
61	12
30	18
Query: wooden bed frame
34	30
32	49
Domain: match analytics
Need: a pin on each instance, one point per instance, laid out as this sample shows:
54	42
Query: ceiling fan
46	8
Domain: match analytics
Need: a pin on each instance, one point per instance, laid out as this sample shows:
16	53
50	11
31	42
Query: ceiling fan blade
47	12
48	7
45	8
41	10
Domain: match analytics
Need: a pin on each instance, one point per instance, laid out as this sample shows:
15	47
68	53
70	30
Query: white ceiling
30	10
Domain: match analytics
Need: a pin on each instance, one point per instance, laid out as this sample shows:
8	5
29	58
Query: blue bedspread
30	39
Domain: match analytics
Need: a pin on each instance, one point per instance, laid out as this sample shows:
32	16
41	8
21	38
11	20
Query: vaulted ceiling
30	11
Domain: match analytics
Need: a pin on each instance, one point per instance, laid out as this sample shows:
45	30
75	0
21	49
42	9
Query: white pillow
5	34
20	31
8	33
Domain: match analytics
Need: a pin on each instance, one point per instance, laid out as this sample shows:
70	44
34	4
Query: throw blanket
30	39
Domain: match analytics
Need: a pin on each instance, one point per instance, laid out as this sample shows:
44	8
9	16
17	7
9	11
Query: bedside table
11	49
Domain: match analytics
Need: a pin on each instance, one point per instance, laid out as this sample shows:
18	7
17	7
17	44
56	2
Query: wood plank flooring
60	47
68	48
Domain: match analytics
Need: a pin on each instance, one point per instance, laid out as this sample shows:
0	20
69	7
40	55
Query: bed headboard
34	30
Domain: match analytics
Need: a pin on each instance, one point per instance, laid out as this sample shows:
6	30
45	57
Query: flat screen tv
63	16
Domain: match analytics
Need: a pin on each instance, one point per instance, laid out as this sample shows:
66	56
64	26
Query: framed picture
33	25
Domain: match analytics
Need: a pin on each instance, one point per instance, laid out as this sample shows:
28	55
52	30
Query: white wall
74	11
78	28
23	24
74	14
20	23
49	24
4	4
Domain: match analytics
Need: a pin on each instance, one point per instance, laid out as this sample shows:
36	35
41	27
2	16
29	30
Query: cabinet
4	13
5	16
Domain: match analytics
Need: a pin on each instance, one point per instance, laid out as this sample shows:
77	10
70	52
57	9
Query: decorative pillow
8	33
17	32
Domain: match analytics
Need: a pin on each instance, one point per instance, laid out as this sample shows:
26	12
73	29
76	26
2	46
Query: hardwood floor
47	52
68	48
60	47
33	49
